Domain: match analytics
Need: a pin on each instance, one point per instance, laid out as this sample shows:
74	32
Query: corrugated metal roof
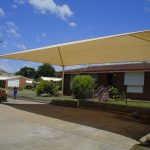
51	79
13	77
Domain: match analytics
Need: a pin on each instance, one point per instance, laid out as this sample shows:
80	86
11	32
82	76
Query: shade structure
128	47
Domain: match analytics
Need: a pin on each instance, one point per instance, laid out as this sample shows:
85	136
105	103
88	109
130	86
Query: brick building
133	79
15	81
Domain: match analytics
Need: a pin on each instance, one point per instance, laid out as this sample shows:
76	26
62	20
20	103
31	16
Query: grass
135	103
31	95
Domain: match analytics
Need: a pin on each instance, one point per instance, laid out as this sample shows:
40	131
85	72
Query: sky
27	24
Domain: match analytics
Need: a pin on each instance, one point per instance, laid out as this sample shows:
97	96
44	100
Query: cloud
30	64
41	36
2	13
14	6
72	24
146	9
147	1
44	6
12	30
4	44
21	46
147	6
4	65
49	6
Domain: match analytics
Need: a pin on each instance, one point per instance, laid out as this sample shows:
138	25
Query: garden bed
69	103
105	106
114	107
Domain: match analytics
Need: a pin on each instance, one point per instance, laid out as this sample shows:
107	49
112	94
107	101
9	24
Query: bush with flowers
3	95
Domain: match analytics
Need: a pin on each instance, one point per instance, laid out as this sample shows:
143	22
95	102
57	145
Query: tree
47	88
3	95
45	70
81	84
28	72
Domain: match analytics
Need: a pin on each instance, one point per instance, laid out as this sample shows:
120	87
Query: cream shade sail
128	47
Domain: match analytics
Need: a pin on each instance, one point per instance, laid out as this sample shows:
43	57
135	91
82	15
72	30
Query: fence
101	94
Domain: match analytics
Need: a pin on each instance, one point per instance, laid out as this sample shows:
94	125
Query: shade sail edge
75	42
91	51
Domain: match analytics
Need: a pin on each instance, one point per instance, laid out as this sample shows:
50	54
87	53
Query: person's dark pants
15	95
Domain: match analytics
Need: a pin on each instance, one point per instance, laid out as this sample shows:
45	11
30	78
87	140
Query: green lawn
130	103
31	95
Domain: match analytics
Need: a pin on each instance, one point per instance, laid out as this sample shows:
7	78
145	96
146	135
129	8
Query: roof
51	79
29	81
111	68
129	47
4	77
13	77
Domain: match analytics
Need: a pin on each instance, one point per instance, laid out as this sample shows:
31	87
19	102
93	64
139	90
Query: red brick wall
3	84
6	84
147	85
102	79
118	82
67	80
22	82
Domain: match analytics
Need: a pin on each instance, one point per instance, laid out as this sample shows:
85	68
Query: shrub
3	95
81	84
29	87
46	88
114	93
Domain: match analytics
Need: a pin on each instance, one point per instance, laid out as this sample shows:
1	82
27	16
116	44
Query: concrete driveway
119	123
21	130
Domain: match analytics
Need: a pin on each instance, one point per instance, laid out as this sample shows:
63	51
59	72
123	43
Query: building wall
102	79
67	81
3	83
118	82
22	82
18	82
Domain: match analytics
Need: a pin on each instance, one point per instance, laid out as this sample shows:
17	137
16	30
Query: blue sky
27	24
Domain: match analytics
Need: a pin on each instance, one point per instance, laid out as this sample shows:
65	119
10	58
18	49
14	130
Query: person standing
15	92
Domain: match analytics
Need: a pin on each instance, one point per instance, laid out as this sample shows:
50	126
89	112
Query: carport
129	47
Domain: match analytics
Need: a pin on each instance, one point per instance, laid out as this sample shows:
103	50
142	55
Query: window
134	82
135	89
13	83
134	78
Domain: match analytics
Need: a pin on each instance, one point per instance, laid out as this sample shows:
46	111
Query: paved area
16	101
22	130
119	123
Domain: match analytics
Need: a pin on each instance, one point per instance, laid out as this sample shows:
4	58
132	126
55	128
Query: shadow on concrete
114	122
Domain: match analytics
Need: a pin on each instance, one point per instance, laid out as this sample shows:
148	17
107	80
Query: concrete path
20	130
16	101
